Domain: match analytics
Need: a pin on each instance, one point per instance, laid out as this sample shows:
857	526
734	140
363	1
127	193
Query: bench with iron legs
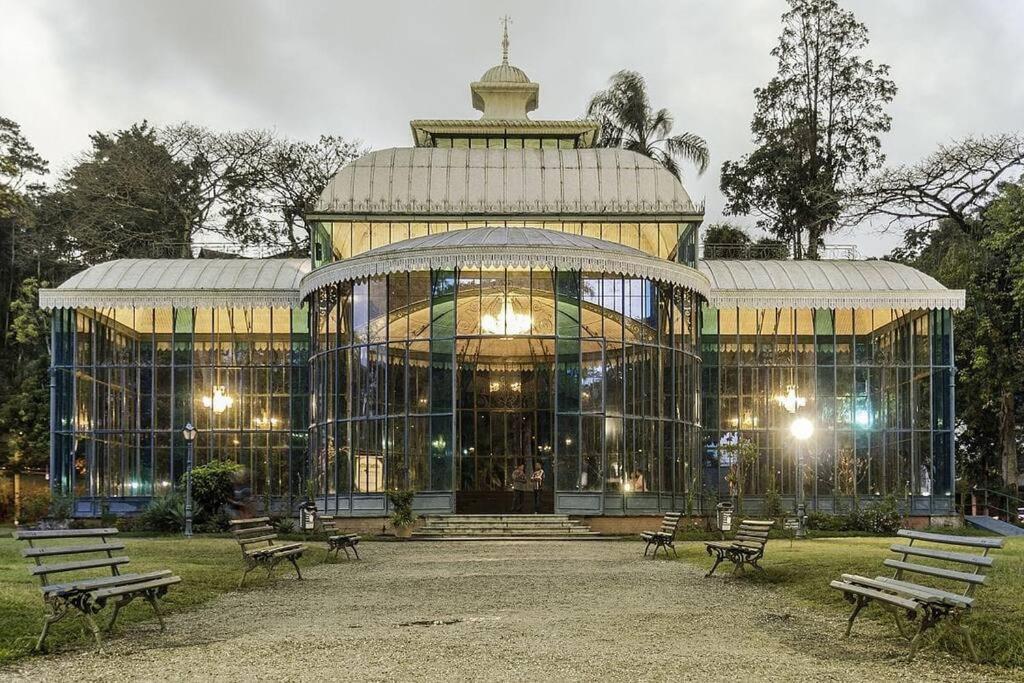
929	605
338	541
90	549
665	537
256	537
747	547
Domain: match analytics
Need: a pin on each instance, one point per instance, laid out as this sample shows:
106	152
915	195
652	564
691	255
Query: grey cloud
365	69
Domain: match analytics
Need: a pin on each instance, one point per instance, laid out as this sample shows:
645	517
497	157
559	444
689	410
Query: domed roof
429	180
504	73
501	247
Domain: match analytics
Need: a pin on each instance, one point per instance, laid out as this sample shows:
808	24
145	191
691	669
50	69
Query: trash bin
723	512
307	517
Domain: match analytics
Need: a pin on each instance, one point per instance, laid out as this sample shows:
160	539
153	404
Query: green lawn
208	566
805	568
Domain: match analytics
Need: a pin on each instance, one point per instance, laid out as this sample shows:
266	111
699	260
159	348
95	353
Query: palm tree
628	121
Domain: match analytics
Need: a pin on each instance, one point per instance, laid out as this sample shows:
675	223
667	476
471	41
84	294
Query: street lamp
189	432
801	428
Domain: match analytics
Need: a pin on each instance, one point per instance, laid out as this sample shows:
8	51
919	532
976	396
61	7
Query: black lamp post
189	432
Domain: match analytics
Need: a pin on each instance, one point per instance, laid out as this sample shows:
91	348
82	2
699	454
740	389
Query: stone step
501	526
554	524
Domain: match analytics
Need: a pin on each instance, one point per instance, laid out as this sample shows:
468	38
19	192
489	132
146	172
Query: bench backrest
753	532
253	531
69	552
957	560
670	523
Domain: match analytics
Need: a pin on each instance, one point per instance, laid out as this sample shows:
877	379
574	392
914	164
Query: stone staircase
503	527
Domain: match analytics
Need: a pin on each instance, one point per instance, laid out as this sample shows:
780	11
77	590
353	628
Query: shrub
34	507
882	517
166	513
213	485
283	525
772	504
401	507
60	508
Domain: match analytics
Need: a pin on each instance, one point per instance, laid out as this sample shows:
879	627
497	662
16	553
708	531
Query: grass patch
207	565
805	568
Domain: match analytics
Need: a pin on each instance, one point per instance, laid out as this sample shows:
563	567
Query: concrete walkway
503	611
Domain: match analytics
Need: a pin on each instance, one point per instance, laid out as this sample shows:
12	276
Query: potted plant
402	517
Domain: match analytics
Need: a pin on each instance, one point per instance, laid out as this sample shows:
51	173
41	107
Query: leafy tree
127	197
253	188
725	240
963	226
815	127
987	260
953	183
629	121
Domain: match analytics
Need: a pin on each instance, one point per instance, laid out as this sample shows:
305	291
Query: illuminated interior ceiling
206	322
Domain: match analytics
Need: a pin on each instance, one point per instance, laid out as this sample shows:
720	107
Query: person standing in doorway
537	479
519	483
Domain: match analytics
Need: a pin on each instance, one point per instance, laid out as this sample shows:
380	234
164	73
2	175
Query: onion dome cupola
505	91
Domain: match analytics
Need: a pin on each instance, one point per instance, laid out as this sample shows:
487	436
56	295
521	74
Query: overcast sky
363	70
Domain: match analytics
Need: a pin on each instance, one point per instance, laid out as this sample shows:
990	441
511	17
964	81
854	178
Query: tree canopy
816	127
628	120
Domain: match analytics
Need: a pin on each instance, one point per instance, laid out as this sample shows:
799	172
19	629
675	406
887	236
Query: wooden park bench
930	605
338	541
665	537
746	547
250	534
90	549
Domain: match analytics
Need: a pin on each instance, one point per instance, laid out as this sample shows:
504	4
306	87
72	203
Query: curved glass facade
445	380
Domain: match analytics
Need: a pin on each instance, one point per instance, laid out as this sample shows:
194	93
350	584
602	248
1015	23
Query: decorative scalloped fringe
197	298
510	257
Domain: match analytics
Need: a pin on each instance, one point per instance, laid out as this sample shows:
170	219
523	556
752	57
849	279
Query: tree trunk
1008	439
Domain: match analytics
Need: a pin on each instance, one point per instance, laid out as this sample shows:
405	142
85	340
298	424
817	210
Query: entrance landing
503	527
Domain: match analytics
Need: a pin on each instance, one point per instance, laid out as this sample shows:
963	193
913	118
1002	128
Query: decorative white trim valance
518	256
168	298
779	298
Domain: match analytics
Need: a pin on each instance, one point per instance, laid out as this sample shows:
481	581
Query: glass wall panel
588	375
876	384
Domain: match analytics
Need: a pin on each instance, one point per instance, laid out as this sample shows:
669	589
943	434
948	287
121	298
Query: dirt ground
503	611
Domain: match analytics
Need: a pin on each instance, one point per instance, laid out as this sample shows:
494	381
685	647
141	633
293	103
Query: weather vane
505	20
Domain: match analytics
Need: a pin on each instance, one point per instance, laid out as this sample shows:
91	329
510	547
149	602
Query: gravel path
505	612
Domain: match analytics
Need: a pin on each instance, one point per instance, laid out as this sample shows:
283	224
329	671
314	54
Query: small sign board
791	523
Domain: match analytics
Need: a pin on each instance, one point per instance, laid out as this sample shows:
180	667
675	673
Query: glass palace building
503	292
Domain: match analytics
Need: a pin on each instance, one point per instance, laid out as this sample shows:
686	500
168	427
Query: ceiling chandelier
219	400
507	322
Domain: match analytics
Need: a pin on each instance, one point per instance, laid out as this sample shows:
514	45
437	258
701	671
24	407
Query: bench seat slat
74	566
874	594
275	549
102	582
907	585
71	549
345	537
912	590
251	530
257	539
937	572
134	587
64	534
251	520
972	541
965	558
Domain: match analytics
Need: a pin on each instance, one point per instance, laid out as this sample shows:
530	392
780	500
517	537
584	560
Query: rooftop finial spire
505	20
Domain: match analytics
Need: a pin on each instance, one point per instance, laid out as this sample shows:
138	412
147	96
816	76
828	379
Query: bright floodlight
801	428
